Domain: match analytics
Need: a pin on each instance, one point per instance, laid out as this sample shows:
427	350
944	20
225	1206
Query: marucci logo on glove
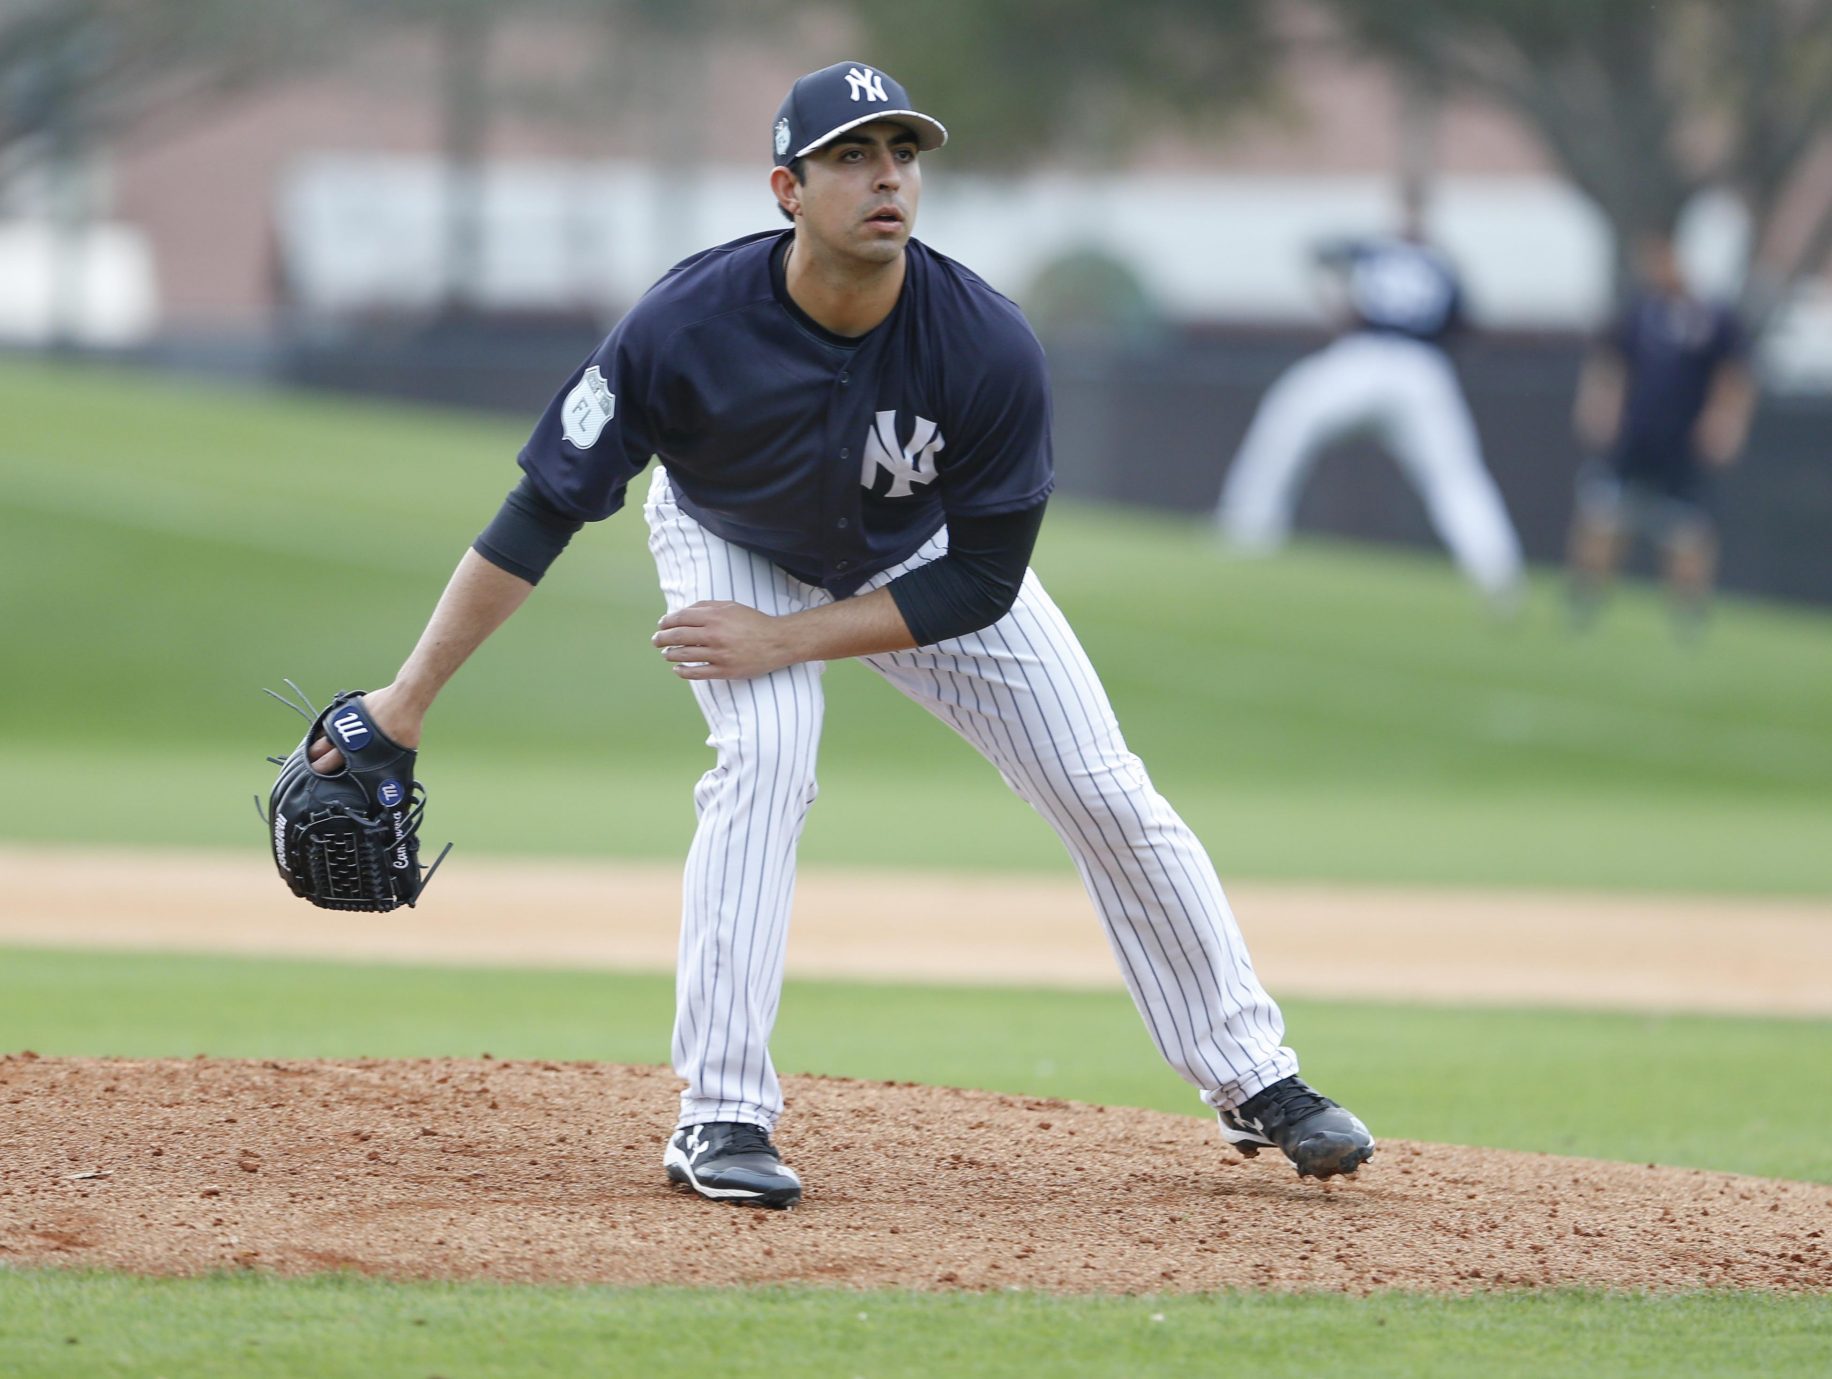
351	728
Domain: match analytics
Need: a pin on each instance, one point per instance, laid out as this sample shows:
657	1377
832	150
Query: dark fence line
1159	428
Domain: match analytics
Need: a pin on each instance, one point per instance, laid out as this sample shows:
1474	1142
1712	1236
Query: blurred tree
1023	77
463	33
1088	295
75	74
1645	105
82	68
651	60
624	57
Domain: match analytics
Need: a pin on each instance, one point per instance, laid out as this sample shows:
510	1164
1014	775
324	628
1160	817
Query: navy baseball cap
823	105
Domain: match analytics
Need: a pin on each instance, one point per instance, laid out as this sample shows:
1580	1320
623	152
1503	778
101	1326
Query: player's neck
844	296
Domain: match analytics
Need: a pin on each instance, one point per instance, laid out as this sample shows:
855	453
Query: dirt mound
551	1172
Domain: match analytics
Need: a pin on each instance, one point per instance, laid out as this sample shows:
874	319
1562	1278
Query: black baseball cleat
1320	1137
730	1161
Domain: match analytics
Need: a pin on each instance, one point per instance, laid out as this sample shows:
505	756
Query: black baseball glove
349	840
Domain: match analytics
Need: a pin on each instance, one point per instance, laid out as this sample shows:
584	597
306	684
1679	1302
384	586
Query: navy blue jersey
1671	348
835	458
1401	287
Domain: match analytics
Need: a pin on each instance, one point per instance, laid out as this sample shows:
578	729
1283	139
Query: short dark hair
800	173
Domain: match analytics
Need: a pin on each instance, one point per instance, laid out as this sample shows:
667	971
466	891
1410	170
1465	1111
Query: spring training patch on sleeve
588	409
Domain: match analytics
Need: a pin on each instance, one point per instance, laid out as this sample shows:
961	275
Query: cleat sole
1326	1156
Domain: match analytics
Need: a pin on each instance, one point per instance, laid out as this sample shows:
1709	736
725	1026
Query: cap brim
930	132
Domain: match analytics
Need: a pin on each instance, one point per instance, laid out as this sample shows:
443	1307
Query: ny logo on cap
865	84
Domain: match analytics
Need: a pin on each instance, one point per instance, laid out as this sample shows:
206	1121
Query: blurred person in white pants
1388	376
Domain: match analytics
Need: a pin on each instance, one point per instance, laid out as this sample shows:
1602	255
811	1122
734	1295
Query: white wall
112	299
361	231
365	230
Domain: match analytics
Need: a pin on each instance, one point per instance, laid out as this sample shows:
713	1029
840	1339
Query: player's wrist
400	710
802	636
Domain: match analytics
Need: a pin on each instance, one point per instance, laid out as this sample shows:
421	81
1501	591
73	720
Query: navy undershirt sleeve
527	534
975	583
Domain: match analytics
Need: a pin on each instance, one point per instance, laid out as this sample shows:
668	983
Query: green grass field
57	1327
1339	714
1336	714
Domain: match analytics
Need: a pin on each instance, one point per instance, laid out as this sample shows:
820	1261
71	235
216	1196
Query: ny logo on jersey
906	464
866	84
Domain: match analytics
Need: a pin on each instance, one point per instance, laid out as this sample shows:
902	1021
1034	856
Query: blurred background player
1664	398
1386	375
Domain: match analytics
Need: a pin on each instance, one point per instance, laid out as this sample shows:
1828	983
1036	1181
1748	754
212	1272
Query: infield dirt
551	1172
1720	954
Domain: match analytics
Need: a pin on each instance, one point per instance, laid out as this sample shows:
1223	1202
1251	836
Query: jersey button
842	524
846	453
845	378
842	565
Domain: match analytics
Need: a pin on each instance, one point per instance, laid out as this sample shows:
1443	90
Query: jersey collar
779	284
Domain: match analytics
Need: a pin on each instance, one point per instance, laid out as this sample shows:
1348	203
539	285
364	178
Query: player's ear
787	188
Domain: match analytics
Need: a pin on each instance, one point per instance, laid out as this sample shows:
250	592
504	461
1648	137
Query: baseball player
1388	375
1664	399
853	445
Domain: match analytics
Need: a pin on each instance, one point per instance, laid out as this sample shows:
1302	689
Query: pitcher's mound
552	1172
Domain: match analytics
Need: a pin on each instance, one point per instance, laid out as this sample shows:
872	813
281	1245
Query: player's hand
392	714
717	640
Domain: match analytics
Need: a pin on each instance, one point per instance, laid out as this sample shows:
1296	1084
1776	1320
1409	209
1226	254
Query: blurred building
328	196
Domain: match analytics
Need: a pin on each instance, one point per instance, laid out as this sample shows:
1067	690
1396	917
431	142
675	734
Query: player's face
860	193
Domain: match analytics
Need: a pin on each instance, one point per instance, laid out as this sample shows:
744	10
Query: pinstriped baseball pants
1023	693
